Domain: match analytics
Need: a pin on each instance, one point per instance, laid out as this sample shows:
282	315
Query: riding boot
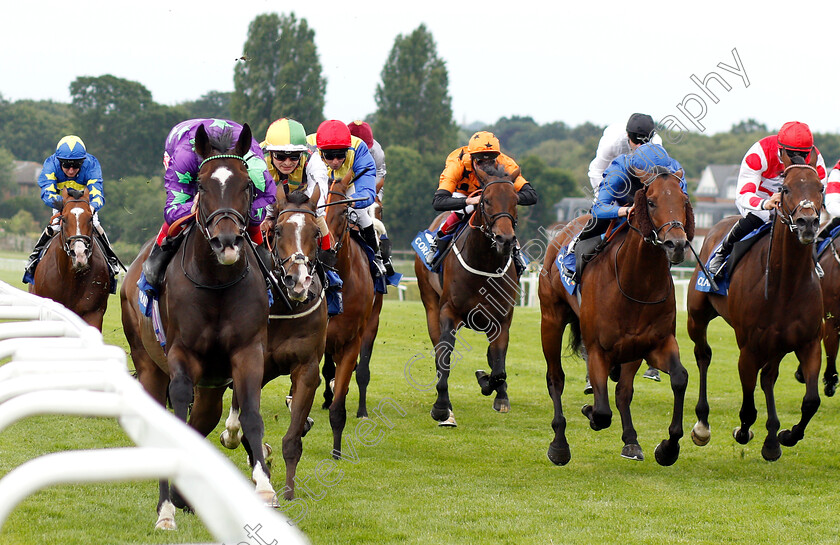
826	231
437	247
369	236
111	256
328	258
742	228
155	265
35	256
385	250
265	256
519	261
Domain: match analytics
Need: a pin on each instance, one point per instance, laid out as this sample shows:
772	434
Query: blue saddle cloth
824	244
423	242
380	283
566	263
703	285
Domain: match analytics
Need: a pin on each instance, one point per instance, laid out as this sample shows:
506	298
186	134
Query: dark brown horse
297	329
771	315
346	330
478	290
830	283
368	339
214	312
626	313
74	271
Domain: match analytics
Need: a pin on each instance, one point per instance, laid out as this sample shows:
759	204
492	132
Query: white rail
60	365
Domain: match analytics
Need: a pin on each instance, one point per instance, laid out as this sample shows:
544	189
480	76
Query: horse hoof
229	441
449	422
633	452
361	414
307	426
701	435
501	405
799	376
736	433
559	456
332	385
665	458
268	497
771	453
440	414
484	382
830	385
166	524
786	438
267	454
289	402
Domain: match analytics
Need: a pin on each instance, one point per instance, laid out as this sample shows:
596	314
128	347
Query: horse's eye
651	204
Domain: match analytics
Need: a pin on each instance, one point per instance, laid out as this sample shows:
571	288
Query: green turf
489	480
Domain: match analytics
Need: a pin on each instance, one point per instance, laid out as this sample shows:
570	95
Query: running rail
60	365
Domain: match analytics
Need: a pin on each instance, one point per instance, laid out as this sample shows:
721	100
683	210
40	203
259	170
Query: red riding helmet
332	134
796	136
361	129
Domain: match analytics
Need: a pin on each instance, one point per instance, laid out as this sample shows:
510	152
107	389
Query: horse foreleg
231	437
363	368
338	410
771	451
698	323
442	407
328	372
623	398
305	379
667	358
551	331
748	372
499	337
831	339
599	414
809	358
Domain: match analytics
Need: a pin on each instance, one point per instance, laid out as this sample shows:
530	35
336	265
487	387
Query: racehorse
74	270
346	330
368	337
626	311
477	289
213	311
774	304
297	330
830	283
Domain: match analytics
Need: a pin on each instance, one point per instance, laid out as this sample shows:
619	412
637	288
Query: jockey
362	130
618	190
458	180
832	203
291	162
760	179
181	164
343	153
616	141
71	167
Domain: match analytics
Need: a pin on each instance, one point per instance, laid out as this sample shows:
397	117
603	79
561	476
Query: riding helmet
795	136
70	147
285	135
333	134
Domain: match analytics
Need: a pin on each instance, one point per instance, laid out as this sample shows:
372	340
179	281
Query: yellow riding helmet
484	142
285	135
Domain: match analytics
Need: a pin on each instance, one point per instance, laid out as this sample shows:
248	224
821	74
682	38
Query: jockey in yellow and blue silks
345	153
70	167
618	189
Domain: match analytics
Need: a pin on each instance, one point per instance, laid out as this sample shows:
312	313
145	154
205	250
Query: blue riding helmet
70	147
650	155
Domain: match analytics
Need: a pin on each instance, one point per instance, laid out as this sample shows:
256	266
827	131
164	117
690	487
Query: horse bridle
298	258
487	220
68	242
224	213
653	237
785	216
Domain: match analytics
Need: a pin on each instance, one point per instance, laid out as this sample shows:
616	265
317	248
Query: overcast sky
574	62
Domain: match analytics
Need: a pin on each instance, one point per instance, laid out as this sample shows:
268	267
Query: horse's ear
280	198
679	174
315	197
515	174
202	142
347	179
243	145
783	155
642	175
813	153
380	184
689	220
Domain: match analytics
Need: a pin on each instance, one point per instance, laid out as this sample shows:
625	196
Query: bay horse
830	284
346	331
772	314
477	289
626	312
297	330
74	271
368	337
213	311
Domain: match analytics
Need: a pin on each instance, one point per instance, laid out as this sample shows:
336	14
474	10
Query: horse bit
805	204
298	258
69	241
223	213
490	220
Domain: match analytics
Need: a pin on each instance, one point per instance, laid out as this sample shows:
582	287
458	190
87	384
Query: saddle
587	250
740	248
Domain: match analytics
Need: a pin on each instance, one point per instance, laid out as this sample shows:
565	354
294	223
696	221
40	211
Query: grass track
489	480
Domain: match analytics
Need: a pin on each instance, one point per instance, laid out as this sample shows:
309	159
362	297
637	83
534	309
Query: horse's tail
575	340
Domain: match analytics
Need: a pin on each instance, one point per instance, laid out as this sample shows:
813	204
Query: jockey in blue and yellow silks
70	167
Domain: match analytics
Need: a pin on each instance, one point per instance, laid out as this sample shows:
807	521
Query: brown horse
214	312
297	330
478	290
772	315
830	283
626	312
368	338
74	270
346	330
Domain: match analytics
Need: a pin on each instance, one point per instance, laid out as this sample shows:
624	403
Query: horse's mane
298	196
223	141
496	170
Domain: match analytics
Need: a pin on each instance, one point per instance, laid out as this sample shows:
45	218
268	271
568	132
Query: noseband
786	216
298	258
224	213
488	221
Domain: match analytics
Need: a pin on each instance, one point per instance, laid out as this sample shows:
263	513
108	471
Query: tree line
280	75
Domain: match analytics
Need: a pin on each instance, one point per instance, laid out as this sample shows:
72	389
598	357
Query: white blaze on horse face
222	175
79	249
303	277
